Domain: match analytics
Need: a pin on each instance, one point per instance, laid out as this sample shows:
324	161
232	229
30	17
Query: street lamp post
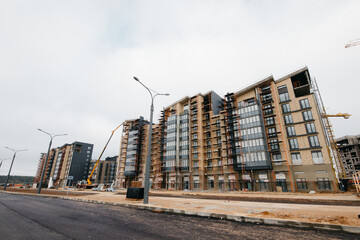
47	156
148	159
12	162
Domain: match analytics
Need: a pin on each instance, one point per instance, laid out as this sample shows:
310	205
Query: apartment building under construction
266	137
66	165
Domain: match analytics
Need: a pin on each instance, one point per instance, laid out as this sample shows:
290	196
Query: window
288	119
272	132
304	103
307	115
208	154
185	163
286	108
270	120
274	144
77	148
184	152
310	128
195	136
323	184
317	157
196	182
267	106
314	141
218	133
277	159
195	164
293	143
296	158
211	182
284	97
172	118
268	111
291	131
301	184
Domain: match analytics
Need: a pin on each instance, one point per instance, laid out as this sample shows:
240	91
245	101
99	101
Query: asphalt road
27	217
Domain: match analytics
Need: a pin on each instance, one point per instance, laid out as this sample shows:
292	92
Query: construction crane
332	147
353	43
344	115
112	133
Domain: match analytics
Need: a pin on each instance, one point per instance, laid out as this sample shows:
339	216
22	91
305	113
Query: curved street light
47	156
148	159
12	162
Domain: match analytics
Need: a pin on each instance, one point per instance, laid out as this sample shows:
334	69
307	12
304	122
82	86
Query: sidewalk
342	218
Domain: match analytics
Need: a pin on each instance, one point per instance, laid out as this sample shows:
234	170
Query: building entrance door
282	183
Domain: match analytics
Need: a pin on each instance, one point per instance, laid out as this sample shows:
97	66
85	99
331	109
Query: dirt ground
50	191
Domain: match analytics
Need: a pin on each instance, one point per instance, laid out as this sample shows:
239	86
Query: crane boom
344	115
112	133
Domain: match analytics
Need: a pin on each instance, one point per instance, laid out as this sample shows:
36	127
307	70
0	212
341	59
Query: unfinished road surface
28	217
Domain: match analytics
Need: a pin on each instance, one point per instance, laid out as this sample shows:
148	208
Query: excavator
97	162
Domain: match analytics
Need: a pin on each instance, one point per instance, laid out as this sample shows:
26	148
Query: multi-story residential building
105	172
349	148
40	167
266	137
133	152
48	167
67	164
78	165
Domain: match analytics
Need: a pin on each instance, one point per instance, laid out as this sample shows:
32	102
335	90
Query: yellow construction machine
93	170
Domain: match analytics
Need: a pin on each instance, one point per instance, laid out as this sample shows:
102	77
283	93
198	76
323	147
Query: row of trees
17	179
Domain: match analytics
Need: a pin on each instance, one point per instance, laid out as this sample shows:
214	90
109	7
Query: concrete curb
237	218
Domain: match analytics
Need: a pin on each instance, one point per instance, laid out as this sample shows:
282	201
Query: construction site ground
322	208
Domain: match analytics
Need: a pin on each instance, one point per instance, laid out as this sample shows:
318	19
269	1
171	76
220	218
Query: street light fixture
12	162
47	156
148	159
1	160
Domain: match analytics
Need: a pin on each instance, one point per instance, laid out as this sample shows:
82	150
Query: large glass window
317	157
293	143
314	141
307	115
304	103
296	158
323	184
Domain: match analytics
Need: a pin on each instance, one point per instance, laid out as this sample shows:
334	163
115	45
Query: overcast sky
67	66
